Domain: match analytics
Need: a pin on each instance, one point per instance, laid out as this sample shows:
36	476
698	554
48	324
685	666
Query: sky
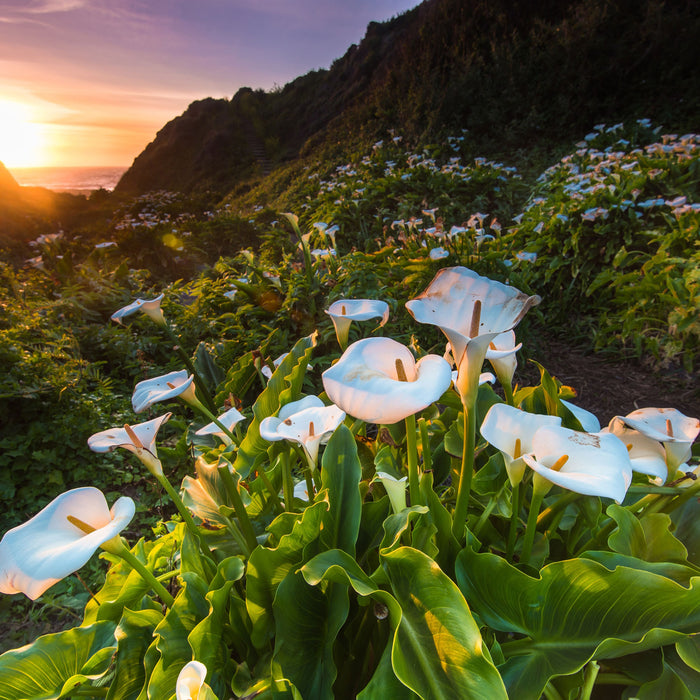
90	82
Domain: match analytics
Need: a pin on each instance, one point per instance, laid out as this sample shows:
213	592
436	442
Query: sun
21	139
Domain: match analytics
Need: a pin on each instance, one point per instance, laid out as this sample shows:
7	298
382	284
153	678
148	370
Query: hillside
518	76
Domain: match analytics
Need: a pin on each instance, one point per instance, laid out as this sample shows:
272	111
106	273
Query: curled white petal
163	388
589	421
227	419
365	383
190	681
146	433
48	547
151	307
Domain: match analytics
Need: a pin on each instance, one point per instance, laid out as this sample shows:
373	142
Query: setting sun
21	139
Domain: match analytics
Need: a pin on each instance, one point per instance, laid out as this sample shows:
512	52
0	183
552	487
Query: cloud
47	6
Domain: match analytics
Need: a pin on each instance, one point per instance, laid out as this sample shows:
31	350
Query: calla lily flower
472	311
438	253
163	388
139	439
668	426
646	455
395	489
308	422
594	464
190	684
59	540
228	419
267	372
378	380
501	355
345	311
151	307
511	432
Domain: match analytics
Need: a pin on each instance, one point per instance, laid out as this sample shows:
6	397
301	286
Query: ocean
75	180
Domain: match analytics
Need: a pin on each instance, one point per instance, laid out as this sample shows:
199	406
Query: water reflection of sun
21	139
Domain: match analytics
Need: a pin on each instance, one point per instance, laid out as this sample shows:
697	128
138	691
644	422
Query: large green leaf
340	475
267	567
134	635
307	623
284	386
438	651
575	611
384	683
55	662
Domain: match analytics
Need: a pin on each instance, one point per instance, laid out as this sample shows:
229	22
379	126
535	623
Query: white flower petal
365	383
163	388
190	681
146	433
48	547
151	307
227	419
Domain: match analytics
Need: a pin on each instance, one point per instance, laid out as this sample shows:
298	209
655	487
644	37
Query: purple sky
90	82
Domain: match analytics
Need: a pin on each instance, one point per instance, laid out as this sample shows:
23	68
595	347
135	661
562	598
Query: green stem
203	389
425	445
508	393
531	527
589	678
459	517
184	512
551	693
310	488
117	547
270	489
488	510
287	483
238	506
412	459
514	520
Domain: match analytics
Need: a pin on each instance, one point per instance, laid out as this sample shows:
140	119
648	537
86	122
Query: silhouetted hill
8	184
517	75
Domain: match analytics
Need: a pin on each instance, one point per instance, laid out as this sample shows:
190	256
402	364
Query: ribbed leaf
575	611
41	670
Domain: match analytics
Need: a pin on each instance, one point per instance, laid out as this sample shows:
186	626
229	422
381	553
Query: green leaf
340	475
577	610
284	386
207	368
649	538
41	670
267	567
307	623
384	683
438	651
134	635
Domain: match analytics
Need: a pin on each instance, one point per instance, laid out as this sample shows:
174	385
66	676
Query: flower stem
514	519
117	547
412	459
287	483
270	489
239	507
186	515
425	445
459	517
589	679
531	526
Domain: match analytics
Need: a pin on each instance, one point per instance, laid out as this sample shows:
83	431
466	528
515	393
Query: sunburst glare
22	140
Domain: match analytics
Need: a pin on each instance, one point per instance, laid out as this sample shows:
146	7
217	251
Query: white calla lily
668	426
594	464
267	372
151	307
367	384
228	419
511	431
395	489
345	311
501	355
59	540
190	681
646	455
472	311
139	439
168	386
308	422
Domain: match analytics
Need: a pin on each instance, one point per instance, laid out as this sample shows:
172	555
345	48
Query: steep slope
516	75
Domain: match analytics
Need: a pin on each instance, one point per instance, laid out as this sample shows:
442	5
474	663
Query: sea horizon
74	179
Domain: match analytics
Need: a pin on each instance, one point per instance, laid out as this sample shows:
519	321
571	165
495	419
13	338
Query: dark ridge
517	75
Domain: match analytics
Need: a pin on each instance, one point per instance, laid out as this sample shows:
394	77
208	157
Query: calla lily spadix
345	311
228	419
668	426
308	422
168	386
594	464
139	439
472	311
151	307
59	540
511	431
378	381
